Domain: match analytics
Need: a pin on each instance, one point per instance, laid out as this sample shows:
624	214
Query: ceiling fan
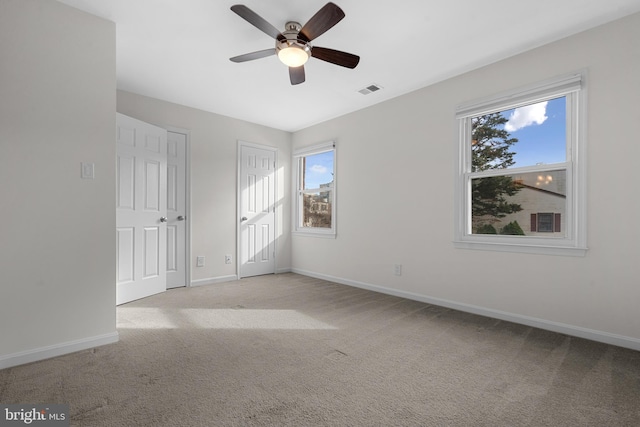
293	44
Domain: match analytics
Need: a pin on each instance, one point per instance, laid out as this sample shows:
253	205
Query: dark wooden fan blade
337	57
257	21
296	75
325	18
253	55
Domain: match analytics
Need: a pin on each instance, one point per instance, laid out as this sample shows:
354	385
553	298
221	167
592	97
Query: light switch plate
88	170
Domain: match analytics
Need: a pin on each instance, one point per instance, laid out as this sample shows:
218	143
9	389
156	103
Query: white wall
395	198
214	145
57	240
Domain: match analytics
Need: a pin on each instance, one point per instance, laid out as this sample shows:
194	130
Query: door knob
244	218
163	219
181	218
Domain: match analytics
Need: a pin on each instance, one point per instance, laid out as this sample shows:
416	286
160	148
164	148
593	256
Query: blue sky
318	169
541	132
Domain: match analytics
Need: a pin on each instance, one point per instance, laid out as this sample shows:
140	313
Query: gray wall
214	144
57	240
396	187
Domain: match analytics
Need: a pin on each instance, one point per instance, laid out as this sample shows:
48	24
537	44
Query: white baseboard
214	280
563	328
230	278
42	353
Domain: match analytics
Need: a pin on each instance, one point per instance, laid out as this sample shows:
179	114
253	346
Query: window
315	187
546	222
521	177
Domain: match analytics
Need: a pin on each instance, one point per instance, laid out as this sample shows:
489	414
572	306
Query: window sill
522	248
321	234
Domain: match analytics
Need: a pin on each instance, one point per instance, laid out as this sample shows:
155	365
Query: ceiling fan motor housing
291	38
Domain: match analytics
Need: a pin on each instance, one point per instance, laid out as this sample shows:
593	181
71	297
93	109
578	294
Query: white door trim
239	199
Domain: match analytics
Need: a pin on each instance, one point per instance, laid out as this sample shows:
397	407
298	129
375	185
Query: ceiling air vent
371	88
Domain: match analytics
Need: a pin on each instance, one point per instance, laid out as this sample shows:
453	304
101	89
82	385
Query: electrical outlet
397	269
200	261
87	171
227	259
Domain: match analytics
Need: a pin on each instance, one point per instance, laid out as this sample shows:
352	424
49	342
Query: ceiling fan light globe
293	56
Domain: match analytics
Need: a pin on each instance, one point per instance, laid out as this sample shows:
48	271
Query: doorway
151	209
257	210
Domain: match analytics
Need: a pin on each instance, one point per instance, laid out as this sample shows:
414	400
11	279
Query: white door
257	211
141	213
176	209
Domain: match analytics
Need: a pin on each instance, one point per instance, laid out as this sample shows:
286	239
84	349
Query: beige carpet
289	350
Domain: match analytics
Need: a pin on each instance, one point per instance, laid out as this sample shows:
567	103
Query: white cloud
526	116
318	169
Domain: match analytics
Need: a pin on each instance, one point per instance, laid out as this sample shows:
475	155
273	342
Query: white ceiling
179	50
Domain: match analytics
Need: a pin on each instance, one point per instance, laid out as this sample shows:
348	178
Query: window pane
315	203
545	222
528	204
317	209
318	170
529	135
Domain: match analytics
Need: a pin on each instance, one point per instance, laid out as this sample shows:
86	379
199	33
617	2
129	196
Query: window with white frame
521	177
315	190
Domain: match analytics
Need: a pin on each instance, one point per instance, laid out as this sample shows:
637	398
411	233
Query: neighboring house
543	201
317	209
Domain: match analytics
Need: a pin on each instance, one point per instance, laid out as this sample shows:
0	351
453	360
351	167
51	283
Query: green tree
491	149
513	229
486	229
